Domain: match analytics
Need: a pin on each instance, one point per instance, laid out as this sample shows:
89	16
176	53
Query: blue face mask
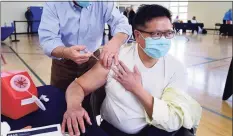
156	48
82	3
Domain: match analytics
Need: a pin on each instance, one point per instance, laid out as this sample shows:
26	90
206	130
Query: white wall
208	13
137	3
11	11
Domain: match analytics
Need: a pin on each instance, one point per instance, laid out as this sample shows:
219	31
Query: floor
207	58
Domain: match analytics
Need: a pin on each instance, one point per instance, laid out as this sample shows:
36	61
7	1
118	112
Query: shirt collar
75	6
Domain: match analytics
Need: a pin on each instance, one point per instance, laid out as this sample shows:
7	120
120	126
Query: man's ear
137	34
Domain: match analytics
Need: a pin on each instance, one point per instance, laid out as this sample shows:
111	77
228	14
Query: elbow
172	123
174	126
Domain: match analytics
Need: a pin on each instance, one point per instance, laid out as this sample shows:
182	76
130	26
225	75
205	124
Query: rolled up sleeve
176	108
49	30
117	21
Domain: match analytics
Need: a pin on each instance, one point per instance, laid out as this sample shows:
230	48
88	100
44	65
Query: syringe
86	51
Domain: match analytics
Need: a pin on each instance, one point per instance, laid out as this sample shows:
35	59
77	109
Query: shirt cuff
125	31
50	46
160	113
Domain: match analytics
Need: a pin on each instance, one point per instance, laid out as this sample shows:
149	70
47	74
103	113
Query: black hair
146	13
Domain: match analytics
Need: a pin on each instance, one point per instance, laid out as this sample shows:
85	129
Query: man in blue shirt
70	32
227	16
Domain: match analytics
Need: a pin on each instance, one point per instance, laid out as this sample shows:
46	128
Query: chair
217	27
97	98
228	91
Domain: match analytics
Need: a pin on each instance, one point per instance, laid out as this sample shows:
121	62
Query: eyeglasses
157	35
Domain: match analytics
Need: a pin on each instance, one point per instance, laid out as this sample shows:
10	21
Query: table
6	32
228	91
187	26
226	29
55	110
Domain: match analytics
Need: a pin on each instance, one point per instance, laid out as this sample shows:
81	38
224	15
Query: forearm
119	39
74	95
146	100
58	52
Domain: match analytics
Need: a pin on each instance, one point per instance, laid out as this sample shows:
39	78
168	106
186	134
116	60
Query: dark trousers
63	72
107	129
29	28
224	21
109	33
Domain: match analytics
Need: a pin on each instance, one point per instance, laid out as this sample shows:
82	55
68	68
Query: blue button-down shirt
228	15
65	24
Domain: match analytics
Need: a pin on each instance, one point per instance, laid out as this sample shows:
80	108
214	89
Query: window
179	8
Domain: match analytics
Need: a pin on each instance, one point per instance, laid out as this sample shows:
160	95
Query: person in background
227	16
145	92
126	12
194	21
197	28
176	20
131	15
29	18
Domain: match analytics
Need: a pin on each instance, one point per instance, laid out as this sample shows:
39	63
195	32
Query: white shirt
125	112
194	21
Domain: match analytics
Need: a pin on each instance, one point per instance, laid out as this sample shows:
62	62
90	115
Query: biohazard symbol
21	82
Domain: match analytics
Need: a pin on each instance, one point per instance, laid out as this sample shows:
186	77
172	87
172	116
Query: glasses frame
162	34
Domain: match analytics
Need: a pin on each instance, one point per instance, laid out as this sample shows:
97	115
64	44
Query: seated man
145	92
194	21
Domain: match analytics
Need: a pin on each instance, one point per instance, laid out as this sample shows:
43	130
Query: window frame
178	6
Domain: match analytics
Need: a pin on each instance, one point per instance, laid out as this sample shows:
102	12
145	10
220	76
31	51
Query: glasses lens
156	35
169	34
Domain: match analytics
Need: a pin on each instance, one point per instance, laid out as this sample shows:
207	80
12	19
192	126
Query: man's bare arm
84	85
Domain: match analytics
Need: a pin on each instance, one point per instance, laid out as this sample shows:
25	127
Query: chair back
96	101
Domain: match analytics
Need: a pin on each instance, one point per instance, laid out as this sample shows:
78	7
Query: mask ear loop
143	38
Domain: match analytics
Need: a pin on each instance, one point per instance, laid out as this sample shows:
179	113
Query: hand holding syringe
86	51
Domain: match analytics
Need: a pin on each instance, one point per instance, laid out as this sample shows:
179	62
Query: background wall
136	4
208	12
11	11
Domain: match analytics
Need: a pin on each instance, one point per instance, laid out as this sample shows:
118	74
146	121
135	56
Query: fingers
69	125
121	69
81	61
87	118
28	127
78	55
79	47
75	126
63	126
126	69
117	78
105	59
136	70
116	59
109	61
102	54
81	124
117	73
